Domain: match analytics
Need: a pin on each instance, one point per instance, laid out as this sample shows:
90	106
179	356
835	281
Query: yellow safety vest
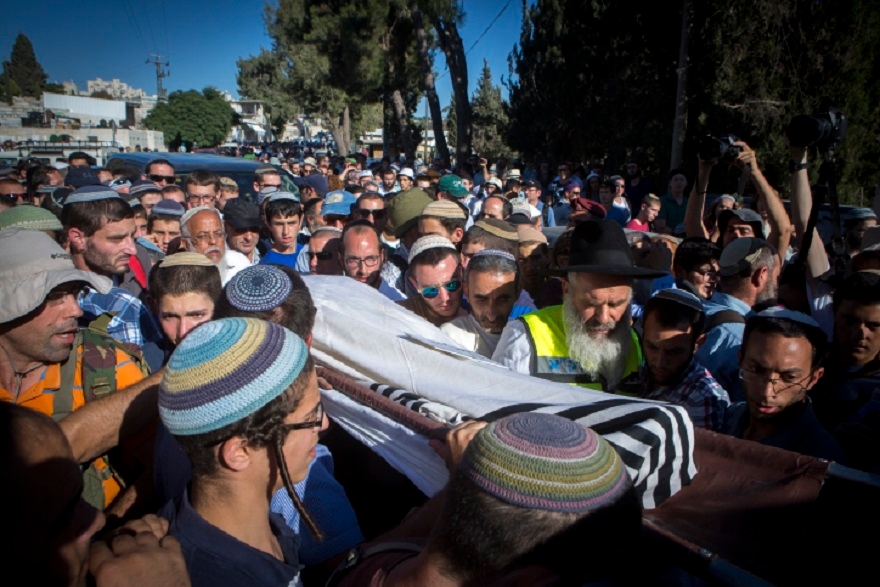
550	358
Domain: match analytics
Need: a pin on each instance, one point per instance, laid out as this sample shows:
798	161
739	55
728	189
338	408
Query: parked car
240	170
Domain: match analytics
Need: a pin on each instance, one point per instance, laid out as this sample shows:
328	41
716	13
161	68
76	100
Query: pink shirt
635	224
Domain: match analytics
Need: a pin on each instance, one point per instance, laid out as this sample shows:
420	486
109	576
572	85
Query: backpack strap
62	402
723	317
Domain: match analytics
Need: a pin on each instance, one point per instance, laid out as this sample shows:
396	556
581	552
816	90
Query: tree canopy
22	73
204	118
489	118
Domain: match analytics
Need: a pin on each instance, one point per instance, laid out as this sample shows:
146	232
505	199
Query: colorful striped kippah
545	462
226	370
258	288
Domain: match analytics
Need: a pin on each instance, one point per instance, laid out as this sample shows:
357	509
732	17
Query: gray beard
597	355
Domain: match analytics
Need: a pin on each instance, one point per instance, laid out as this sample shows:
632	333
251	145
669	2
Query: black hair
432	256
788	329
282	208
670	314
178	280
695	251
862	287
157	162
89	217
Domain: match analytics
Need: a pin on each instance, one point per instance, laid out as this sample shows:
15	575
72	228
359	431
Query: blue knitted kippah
545	462
258	288
226	370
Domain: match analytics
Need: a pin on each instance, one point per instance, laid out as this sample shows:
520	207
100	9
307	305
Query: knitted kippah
498	228
431	241
530	234
226	370
168	208
258	288
444	209
283	196
30	218
545	462
187	258
494	253
90	193
786	314
680	296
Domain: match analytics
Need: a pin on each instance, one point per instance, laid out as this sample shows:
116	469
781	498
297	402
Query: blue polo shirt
719	352
215	558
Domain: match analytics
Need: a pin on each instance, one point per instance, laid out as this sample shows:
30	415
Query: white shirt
232	263
513	349
470	335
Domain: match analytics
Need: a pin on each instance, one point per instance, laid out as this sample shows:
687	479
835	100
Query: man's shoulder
236	259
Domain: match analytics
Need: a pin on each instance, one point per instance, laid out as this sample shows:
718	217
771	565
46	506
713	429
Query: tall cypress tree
25	70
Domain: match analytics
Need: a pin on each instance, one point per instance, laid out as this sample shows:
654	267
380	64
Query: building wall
88	110
150	139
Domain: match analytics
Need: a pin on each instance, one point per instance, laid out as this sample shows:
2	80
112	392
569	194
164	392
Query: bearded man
588	340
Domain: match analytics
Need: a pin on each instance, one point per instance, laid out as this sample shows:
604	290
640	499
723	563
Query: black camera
826	129
719	149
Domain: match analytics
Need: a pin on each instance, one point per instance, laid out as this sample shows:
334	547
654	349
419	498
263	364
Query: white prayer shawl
363	335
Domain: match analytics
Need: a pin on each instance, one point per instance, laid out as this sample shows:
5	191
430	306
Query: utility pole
160	74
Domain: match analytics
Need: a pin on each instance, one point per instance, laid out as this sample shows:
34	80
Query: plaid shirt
699	394
131	321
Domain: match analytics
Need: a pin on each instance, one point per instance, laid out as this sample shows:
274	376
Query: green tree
8	87
203	117
262	77
25	70
489	118
54	88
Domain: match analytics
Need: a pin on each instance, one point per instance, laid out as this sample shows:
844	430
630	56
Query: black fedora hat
600	247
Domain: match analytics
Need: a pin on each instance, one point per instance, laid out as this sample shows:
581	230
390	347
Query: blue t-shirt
276	258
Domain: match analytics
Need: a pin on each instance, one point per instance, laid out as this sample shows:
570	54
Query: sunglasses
321	256
433	291
166	178
363	213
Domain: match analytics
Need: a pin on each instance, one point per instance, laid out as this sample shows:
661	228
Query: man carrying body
47	365
492	287
672	332
435	275
362	257
780	361
749	271
588	340
202	229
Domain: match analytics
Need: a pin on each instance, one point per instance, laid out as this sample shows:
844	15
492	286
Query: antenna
156	59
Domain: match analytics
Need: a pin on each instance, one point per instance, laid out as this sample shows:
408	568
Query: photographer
732	225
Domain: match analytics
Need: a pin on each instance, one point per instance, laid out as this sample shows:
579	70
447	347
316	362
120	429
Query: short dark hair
202	177
670	314
788	329
282	208
89	217
431	257
478	535
695	251
178	280
157	162
153	217
862	287
296	312
449	224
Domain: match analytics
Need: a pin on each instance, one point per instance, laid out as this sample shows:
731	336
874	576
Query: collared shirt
215	558
719	352
233	262
131	321
699	393
797	430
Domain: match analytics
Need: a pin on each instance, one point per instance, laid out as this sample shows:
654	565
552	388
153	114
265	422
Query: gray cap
32	265
680	296
90	193
739	255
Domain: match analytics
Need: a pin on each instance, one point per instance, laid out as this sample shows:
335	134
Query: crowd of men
155	335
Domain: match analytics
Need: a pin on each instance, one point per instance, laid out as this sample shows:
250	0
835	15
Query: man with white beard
202	230
588	340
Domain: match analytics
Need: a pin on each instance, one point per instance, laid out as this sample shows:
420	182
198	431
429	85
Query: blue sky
203	40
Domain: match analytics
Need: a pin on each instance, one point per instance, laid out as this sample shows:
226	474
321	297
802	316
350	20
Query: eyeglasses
200	199
57	296
166	178
317	423
15	196
433	291
779	384
206	237
321	256
355	262
363	213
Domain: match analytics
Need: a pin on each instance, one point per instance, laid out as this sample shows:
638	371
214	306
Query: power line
480	38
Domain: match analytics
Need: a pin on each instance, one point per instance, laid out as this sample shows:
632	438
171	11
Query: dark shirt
214	558
797	430
842	392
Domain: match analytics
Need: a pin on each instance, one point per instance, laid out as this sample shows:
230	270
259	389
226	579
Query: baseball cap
452	184
338	203
31	265
242	214
739	255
